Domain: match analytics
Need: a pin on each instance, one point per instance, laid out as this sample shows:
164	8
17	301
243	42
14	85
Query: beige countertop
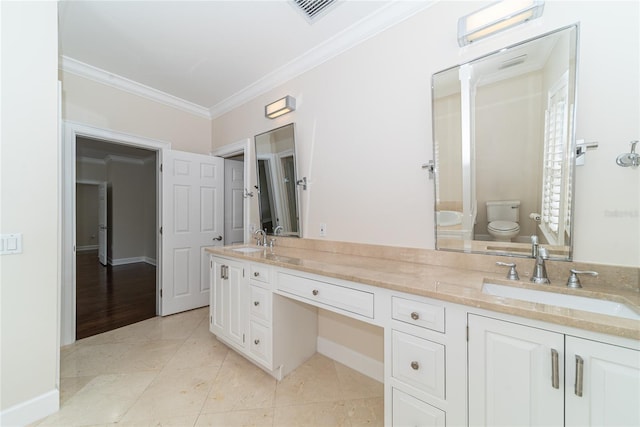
461	285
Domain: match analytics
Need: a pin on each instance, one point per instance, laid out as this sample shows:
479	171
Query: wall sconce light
497	17
281	106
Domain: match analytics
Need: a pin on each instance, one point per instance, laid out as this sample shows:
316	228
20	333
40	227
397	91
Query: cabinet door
510	374
610	384
228	300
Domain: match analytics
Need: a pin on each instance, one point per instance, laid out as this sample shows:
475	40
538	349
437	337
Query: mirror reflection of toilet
502	218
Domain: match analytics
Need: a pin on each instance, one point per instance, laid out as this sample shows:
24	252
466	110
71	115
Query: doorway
116	241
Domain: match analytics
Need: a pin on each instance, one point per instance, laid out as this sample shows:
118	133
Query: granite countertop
452	284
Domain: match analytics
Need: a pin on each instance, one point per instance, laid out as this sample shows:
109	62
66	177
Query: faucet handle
574	282
512	274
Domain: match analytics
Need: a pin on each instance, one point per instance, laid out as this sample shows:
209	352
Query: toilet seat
504	226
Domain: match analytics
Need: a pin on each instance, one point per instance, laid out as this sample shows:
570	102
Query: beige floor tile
105	399
314	381
366	412
253	417
70	386
313	414
183	421
240	385
355	385
199	351
173	393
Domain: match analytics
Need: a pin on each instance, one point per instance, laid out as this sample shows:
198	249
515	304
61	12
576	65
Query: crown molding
91	160
123	159
384	18
99	75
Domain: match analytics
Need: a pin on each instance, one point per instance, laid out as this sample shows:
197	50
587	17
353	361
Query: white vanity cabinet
517	377
229	289
275	333
426	354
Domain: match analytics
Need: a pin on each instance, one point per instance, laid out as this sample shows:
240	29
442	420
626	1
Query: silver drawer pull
256	341
256	303
555	377
256	274
415	365
579	374
415	315
315	292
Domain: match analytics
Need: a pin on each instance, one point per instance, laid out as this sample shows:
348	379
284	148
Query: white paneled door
102	223
192	219
234	202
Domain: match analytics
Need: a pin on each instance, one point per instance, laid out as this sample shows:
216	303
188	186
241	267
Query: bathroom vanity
453	354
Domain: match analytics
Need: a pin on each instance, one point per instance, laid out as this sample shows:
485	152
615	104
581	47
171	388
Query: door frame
230	150
71	131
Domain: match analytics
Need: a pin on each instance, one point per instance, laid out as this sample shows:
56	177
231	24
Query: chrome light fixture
497	17
281	106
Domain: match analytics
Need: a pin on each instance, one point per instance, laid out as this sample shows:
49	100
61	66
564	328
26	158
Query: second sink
575	302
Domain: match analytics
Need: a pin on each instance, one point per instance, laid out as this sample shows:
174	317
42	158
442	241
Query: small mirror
277	189
504	149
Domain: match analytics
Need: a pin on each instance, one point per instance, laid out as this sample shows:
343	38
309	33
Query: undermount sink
594	305
246	250
448	218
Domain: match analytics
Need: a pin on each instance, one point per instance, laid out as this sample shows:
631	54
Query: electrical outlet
323	230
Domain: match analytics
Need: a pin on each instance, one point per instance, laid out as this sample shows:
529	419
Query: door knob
219	238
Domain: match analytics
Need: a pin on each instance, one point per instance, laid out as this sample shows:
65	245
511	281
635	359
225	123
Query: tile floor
172	371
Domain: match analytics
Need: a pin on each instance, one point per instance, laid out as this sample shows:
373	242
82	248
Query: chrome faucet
259	241
539	270
279	229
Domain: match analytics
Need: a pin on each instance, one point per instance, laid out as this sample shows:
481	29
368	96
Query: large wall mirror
504	149
277	189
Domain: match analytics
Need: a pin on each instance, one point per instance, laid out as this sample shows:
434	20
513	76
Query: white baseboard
87	248
356	361
32	410
132	260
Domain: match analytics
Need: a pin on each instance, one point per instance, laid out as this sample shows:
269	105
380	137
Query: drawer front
409	411
419	363
260	342
418	313
342	297
259	273
260	303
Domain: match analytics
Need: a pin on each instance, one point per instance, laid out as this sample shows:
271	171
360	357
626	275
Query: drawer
421	314
260	303
259	272
409	411
260	342
418	363
342	297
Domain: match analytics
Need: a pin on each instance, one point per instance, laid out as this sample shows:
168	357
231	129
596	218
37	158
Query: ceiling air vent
313	9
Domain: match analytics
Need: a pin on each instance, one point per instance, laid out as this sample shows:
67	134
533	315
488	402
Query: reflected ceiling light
497	17
281	106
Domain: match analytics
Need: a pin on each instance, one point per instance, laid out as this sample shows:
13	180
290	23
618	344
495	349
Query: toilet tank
503	210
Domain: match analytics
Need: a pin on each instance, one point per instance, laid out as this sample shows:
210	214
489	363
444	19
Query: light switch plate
10	243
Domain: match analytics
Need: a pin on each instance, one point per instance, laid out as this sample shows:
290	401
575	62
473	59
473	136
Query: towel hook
629	159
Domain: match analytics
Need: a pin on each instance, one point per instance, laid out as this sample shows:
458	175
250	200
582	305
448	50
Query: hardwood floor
113	296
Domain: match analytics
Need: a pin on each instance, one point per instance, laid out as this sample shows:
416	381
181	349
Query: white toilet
503	217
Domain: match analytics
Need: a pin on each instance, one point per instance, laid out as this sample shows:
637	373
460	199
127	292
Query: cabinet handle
256	341
315	292
256	274
224	271
415	365
256	303
555	376
579	375
415	315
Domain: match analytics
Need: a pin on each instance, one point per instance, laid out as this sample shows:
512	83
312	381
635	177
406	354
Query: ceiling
213	55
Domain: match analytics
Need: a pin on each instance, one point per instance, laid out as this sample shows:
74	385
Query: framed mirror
277	189
504	149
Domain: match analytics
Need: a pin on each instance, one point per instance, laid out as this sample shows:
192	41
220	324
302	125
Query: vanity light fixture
281	106
497	17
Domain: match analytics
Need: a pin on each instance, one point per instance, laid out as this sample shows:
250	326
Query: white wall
364	127
91	103
29	175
